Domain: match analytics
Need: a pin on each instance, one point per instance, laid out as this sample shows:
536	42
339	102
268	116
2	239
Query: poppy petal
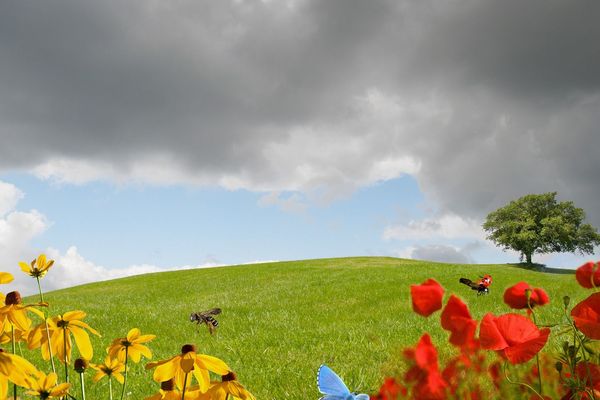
586	316
524	352
427	297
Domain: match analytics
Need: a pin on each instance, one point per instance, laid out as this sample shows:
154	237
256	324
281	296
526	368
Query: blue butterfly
333	387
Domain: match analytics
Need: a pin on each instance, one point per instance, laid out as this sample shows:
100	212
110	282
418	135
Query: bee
482	285
206	317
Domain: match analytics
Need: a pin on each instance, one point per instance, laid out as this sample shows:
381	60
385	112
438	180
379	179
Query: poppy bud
566	301
558	366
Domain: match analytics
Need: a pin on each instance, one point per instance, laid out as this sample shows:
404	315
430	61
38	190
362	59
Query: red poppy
588	275
514	336
430	385
426	297
390	390
457	319
589	375
516	296
586	316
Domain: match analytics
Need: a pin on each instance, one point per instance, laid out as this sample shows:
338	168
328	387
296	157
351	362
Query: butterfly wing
361	397
330	384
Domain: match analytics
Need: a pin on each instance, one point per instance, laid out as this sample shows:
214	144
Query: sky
143	136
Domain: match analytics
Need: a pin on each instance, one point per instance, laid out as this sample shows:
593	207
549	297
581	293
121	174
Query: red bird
482	285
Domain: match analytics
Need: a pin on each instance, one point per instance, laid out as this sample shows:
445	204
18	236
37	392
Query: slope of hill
280	321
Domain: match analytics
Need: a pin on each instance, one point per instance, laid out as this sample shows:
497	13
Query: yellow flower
111	368
66	325
229	385
131	346
38	267
7	336
15	368
45	386
198	364
38	338
14	313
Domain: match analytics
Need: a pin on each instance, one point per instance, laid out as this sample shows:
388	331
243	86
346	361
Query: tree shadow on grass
542	268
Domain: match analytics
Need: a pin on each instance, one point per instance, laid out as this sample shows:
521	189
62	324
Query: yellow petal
22	364
118	377
60	390
153	364
99	375
212	364
50	380
19	319
84	325
46	266
167	370
6	277
82	339
41	261
144	338
133	334
35	310
3	386
141	349
71	315
203	378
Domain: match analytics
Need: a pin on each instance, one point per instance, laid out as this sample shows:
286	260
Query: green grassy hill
280	321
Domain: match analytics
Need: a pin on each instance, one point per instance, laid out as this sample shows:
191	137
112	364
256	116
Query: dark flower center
80	365
186	348
13	298
107	370
231	376
167	385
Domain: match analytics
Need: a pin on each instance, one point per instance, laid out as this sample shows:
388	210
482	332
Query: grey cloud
441	253
481	101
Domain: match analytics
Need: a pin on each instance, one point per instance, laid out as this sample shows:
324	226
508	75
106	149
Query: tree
537	223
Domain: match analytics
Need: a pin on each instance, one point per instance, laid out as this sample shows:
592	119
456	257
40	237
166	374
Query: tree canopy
537	223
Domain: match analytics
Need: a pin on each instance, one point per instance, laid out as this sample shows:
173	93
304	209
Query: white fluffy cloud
71	269
437	252
446	226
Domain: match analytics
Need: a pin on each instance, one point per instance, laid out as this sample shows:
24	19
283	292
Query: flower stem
14	349
184	385
82	386
520	383
110	388
125	373
46	323
537	355
576	338
66	356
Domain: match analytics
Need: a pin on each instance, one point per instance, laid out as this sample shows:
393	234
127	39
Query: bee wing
212	311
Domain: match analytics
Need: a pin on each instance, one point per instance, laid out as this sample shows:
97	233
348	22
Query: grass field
280	321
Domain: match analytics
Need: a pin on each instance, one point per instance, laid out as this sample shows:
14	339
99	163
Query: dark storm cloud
491	100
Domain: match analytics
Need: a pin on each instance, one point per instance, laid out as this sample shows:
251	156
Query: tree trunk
528	258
